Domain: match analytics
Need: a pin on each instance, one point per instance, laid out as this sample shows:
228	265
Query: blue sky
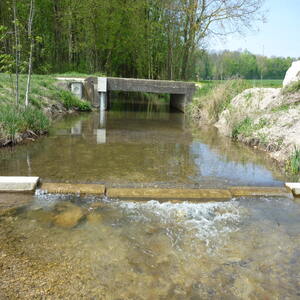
280	36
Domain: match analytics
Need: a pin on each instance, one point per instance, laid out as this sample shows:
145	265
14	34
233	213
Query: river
247	248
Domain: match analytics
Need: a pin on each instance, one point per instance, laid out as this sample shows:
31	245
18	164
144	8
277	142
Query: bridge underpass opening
136	101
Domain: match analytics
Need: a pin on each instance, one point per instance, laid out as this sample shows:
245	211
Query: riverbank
48	101
261	117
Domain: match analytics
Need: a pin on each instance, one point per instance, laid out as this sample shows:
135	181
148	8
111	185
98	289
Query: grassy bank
47	100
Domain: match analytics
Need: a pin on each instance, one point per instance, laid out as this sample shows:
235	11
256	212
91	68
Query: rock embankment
264	117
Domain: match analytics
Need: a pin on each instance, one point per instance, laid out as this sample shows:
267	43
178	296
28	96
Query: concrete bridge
97	89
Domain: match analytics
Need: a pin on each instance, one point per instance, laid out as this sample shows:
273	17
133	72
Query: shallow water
67	247
242	249
139	145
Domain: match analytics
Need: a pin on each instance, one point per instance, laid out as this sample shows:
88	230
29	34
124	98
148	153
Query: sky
279	36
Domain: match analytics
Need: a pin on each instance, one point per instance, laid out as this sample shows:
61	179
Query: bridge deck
150	86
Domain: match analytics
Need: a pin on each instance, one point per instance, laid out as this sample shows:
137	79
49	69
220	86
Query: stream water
247	248
139	145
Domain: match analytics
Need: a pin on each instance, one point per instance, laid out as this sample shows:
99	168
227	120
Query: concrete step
66	188
23	184
18	183
260	191
202	195
294	187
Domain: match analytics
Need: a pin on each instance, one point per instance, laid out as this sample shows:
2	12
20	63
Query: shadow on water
142	144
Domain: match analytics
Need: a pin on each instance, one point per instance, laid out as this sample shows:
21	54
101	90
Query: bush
71	101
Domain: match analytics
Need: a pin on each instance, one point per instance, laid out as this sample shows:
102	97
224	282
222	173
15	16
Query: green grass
15	120
247	127
77	74
70	101
265	83
293	164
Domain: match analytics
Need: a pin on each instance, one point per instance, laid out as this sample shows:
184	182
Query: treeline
131	38
228	64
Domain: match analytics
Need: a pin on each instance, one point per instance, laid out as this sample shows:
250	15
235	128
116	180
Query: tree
207	18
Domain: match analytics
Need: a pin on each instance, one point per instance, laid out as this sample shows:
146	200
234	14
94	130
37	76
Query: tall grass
294	162
15	121
210	102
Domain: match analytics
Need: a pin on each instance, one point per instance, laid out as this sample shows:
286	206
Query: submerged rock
69	215
94	218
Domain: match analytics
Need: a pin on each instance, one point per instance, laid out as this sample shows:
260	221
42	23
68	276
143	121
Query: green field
267	83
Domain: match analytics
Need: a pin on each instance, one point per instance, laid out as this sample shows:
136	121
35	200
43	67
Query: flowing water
69	247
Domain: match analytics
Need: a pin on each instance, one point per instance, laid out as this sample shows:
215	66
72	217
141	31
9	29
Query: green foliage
283	107
244	127
226	64
247	127
71	101
292	88
293	165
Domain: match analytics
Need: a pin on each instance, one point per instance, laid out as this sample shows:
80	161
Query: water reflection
138	145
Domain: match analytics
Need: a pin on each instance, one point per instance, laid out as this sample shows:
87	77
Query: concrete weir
294	187
97	89
18	183
30	184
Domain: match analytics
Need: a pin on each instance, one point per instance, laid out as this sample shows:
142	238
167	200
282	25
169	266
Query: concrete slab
260	191
294	187
296	192
18	183
65	188
71	79
198	195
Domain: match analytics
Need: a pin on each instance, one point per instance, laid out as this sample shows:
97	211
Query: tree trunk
17	51
30	21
